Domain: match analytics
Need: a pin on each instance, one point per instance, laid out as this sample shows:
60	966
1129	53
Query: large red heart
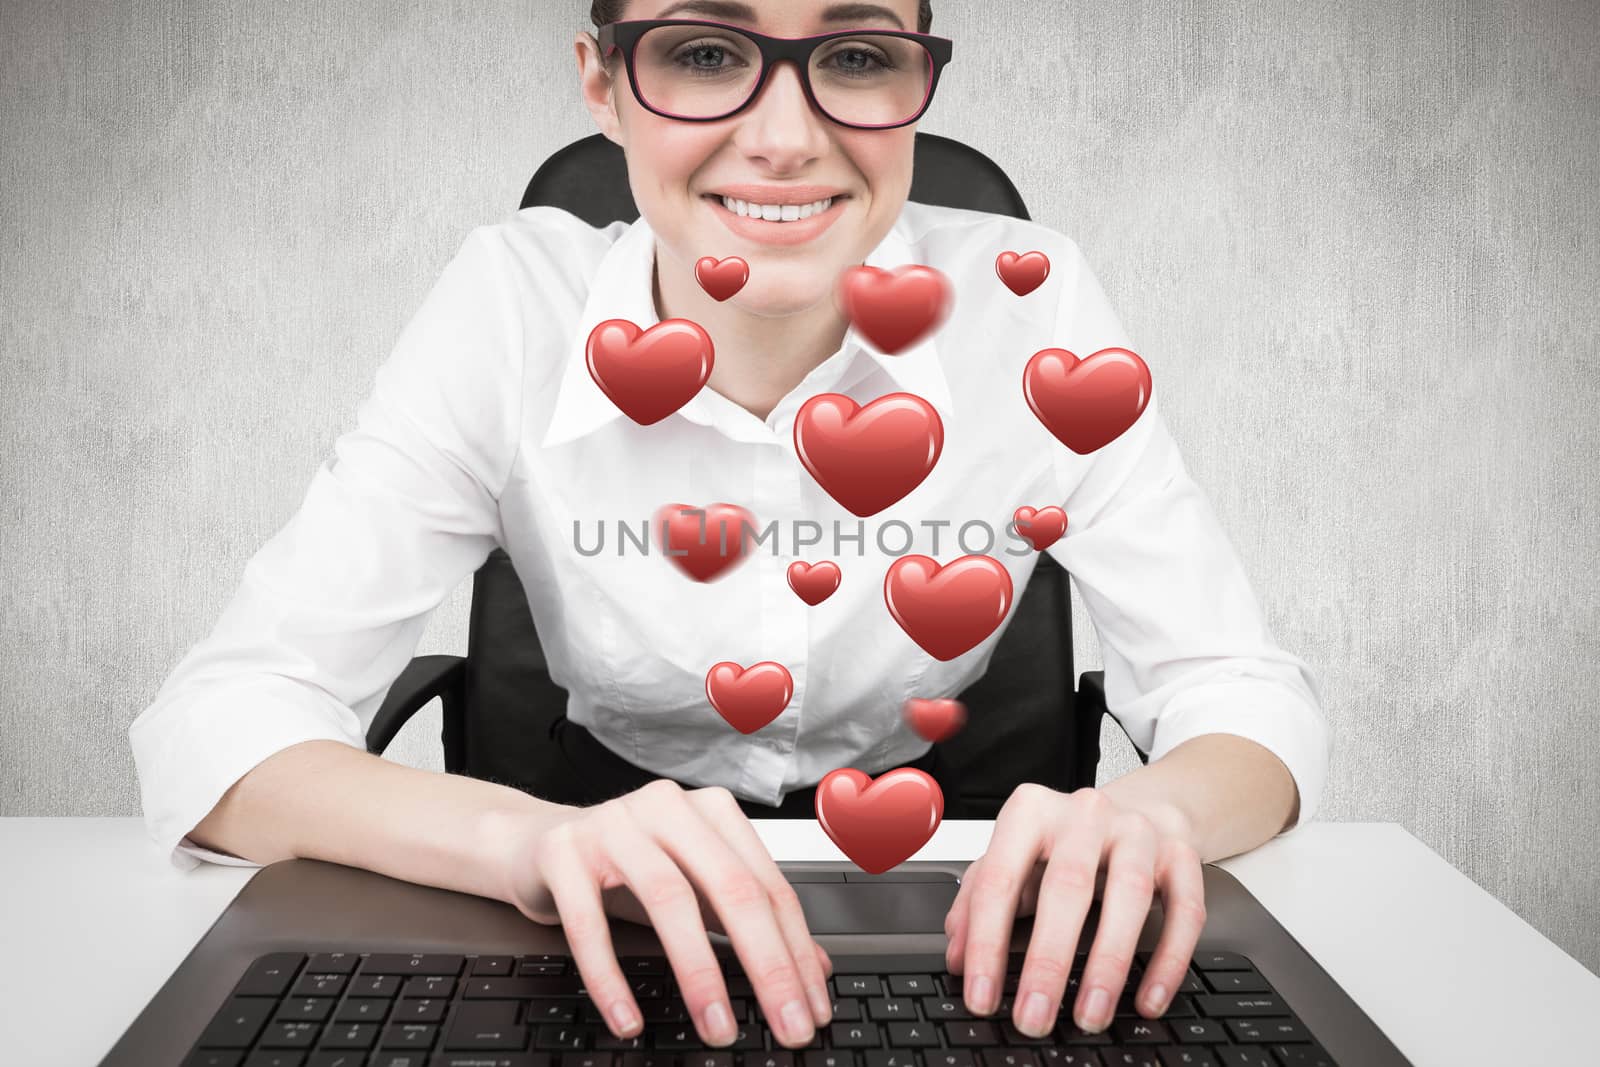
1022	274
749	697
649	374
1042	527
951	609
1087	403
935	718
703	542
879	823
814	582
868	456
721	277
895	309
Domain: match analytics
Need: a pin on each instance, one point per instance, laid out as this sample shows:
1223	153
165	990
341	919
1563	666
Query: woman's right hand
680	861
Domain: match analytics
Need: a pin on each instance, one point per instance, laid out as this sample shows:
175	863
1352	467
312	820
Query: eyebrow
732	11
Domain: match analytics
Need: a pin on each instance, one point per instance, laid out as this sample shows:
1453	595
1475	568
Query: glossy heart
814	582
879	823
1042	527
895	309
721	277
951	609
935	718
703	542
868	456
1087	403
1022	274
749	697
651	373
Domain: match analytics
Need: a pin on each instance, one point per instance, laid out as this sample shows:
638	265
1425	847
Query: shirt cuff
1266	713
188	753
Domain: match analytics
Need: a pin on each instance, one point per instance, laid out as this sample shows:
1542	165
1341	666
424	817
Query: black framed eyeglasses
700	71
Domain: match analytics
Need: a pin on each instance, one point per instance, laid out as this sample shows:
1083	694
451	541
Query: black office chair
1025	722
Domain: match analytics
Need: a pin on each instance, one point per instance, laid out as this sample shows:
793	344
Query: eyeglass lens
703	72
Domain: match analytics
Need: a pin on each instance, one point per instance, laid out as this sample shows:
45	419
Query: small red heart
1087	403
895	309
1022	274
868	456
879	823
814	582
749	697
649	374
1043	527
721	277
703	542
951	609
935	718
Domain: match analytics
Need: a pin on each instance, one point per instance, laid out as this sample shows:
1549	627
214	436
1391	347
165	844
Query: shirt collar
623	288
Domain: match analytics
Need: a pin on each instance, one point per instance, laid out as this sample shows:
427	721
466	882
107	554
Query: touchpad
881	904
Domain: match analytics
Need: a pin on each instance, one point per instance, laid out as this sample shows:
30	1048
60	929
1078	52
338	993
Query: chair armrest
425	678
1092	702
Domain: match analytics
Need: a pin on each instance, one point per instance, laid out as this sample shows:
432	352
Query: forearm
330	801
1223	793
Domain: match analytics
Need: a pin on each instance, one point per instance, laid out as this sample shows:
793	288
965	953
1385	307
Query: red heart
935	719
948	610
879	823
1043	527
1087	403
1022	274
721	277
749	697
814	582
895	309
703	542
649	374
868	456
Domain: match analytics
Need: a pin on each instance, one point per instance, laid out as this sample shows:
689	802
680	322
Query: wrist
1169	817
508	836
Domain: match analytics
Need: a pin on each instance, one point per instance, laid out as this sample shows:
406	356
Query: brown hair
604	11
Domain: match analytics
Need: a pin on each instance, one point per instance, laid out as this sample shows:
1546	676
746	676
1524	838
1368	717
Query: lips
761	231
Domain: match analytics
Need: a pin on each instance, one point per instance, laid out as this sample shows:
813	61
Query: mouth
777	224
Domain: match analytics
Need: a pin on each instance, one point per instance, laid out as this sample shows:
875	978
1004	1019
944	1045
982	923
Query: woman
486	428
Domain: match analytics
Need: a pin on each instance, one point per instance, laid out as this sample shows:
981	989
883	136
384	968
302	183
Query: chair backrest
1022	724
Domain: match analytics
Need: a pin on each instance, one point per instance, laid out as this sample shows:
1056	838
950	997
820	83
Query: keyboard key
1129	1057
391	1058
1244	1056
320	985
944	1008
304	1010
420	1011
270	975
977	1033
352	1035
587	1059
276	1058
237	1024
1008	1057
885	1009
1303	1055
1140	1032
853	1035
889	1057
334	962
289	1035
1237	982
428	986
551	1036
1266	1031
1185	1056
410	1036
502	1059
1198	1031
520	988
911	985
632	965
833	1057
339	1058
214	1058
494	966
375	985
1069	1057
363	1010
913	1035
775	1058
949	1057
857	985
413	963
713	1058
1238	1004
491	1039
846	1010
1222	961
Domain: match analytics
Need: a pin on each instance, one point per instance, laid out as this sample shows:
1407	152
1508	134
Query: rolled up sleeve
1185	647
331	608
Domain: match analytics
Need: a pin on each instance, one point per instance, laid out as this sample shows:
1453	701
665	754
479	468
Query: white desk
92	915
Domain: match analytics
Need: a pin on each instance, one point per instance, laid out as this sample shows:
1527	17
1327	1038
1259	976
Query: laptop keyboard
346	1009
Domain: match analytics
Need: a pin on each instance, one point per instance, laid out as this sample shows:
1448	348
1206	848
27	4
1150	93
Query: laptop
316	964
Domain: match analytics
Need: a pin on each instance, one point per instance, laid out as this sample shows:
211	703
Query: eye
705	56
856	58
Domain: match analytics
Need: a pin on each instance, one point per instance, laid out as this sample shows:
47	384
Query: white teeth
776	212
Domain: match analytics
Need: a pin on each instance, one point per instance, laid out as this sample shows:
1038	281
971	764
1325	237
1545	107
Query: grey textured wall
1353	240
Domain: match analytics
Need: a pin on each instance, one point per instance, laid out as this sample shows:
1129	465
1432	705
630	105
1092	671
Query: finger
743	903
827	968
722	812
1066	893
1124	906
1183	907
955	920
674	911
1013	847
575	889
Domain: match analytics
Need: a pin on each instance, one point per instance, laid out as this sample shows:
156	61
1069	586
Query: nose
780	125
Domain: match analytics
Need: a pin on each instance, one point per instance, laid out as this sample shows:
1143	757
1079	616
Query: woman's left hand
1050	855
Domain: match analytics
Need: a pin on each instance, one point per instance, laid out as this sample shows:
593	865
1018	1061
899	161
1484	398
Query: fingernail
982	994
797	1021
1157	998
1093	1009
719	1022
821	1006
623	1018
1036	1014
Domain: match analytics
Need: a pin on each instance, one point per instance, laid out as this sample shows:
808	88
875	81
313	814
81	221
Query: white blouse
485	428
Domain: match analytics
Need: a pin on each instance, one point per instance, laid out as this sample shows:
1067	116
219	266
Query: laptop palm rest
863	904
